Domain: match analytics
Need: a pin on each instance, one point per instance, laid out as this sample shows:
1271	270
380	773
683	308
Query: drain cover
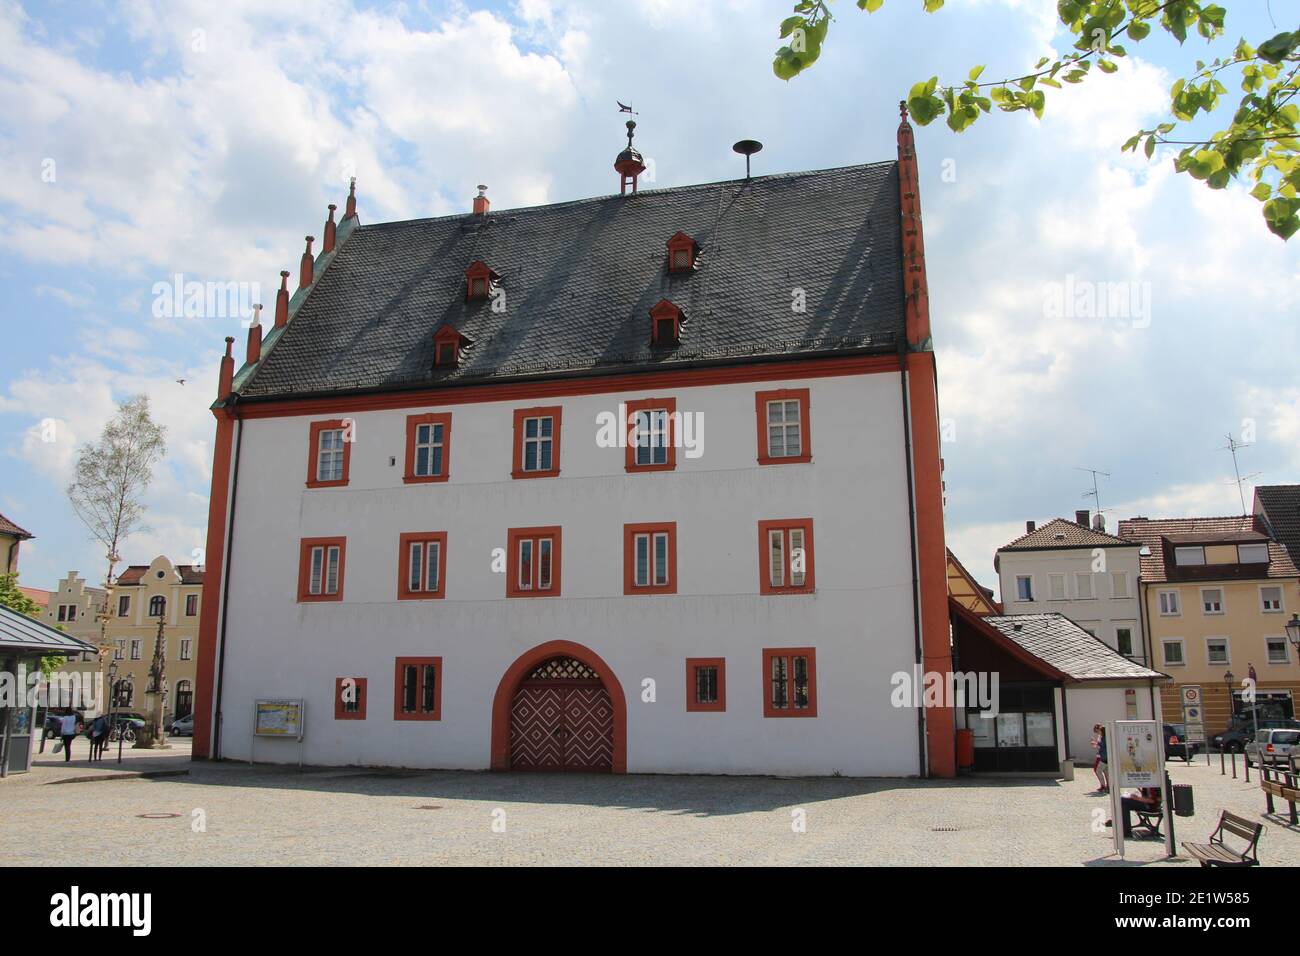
943	829
429	806
157	816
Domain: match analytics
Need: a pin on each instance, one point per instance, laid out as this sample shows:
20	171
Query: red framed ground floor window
417	688
789	682
350	698
706	684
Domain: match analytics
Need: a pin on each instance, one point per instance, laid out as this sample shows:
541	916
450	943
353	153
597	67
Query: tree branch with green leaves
1260	143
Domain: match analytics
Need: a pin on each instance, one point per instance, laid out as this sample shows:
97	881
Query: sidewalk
50	767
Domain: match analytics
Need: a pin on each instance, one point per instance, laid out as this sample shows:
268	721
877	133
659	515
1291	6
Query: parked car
183	726
1240	732
130	717
1177	744
1272	746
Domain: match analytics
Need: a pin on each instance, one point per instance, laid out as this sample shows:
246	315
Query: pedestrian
1096	757
1102	766
68	732
98	734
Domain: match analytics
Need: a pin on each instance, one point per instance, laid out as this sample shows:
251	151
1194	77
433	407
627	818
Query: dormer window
448	344
479	281
682	250
666	321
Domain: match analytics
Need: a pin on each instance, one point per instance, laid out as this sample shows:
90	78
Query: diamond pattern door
561	718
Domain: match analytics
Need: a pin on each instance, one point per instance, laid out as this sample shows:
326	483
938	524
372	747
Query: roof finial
902	110
628	164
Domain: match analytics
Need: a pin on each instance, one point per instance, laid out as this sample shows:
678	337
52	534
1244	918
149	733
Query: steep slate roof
8	527
1059	533
1066	646
18	632
1281	507
1151	531
580	278
133	574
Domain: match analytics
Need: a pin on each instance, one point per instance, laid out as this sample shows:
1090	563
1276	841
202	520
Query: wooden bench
1149	820
1284	784
1217	853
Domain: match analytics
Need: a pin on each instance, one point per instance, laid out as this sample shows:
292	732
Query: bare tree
112	476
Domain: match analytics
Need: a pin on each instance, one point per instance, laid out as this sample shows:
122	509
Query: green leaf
788	25
1106	66
1261	192
1150	146
1138	30
975	72
932	5
871	6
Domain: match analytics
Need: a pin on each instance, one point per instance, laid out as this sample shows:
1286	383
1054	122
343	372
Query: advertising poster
278	718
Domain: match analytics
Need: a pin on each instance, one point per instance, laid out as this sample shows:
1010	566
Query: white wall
1090	704
1102	614
860	619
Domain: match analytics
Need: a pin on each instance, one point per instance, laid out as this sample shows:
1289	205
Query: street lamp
1293	631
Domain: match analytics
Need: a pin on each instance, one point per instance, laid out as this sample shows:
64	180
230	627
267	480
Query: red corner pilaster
282	301
306	265
331	231
909	195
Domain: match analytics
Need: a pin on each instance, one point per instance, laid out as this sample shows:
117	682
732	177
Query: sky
145	144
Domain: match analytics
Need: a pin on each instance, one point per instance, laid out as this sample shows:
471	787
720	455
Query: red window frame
788	654
665	315
399	686
765	585
191	605
629	424
362	697
404	592
555	413
413	423
513	538
313	451
680	242
805	429
630	533
304	568
692	703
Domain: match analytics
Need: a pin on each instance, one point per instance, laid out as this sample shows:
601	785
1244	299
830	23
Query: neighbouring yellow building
142	595
1216	596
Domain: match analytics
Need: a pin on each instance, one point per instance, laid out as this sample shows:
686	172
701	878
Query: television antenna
1240	479
1094	494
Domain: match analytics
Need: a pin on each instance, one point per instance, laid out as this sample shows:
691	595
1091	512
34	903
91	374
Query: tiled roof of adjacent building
1066	646
1152	532
135	573
8	527
1281	507
579	279
1059	533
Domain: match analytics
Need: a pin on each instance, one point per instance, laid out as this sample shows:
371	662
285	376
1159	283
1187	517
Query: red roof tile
1155	532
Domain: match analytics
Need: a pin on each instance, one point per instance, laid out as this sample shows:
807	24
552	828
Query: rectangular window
320	569
1216	650
119	649
421	565
1277	650
350	698
1169	606
1252	553
191	605
63	612
534	562
1212	600
1083	585
428	448
785	556
124	605
1173	651
1119	584
652	434
1024	587
1189	557
790	679
417	689
1270	599
783	426
706	684
330	453
1124	641
650	558
137	647
1056	586
187	652
537	442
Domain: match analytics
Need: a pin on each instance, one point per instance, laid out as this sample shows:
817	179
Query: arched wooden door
561	718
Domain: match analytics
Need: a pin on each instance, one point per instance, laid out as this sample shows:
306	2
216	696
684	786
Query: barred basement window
418	691
706	685
791	675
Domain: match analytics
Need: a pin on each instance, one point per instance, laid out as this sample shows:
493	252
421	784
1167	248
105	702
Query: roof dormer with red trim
448	346
666	321
479	281
682	252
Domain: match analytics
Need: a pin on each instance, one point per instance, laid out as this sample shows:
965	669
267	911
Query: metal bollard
1234	765
1223	763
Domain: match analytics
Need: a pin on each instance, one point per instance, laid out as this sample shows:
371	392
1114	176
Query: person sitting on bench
1146	799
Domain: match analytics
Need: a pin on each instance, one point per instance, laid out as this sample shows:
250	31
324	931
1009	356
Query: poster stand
1137	759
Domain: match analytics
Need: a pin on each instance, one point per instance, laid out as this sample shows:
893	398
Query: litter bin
1183	805
965	749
